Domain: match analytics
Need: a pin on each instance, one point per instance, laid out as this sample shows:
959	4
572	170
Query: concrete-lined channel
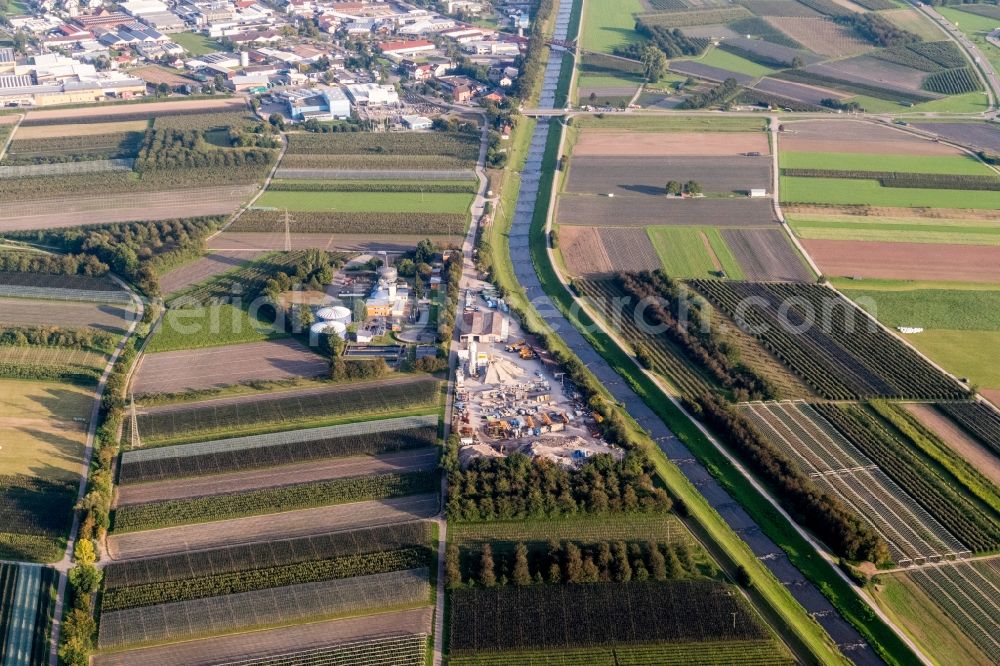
851	643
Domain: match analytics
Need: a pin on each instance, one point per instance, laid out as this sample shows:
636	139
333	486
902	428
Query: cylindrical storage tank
334	313
388	273
244	59
329	327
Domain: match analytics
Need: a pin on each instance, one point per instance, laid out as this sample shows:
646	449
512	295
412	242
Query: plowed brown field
906	261
583	251
982	459
836	136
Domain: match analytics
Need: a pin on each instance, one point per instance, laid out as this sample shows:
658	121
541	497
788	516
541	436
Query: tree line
52	264
54	336
717	95
877	30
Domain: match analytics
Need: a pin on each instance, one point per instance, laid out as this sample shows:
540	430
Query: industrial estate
481	332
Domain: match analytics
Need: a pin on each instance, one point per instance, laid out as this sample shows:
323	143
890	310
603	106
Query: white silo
334	313
329	327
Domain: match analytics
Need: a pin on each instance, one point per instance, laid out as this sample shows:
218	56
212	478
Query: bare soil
72	211
79	129
273	477
271	527
604	143
156	75
629	249
993	395
644	210
977	135
821	35
583	251
208	266
981	458
192	369
152	108
906	261
28	312
649	175
874	211
849	136
766	255
272	642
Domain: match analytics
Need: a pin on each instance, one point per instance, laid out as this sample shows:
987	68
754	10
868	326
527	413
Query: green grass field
212	326
471	182
734	63
968	310
671	123
976	28
974	102
609	23
964	165
969	354
684	253
360	202
843	191
916	230
197	44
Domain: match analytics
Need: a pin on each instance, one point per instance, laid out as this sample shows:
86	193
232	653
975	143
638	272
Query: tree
162	89
674	188
84	551
487	572
574	564
85	578
521	575
654	63
622	568
277	121
692	187
657	564
452	567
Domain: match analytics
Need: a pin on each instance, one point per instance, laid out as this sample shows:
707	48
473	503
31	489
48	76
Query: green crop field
356	202
734	63
693	251
967	310
973	102
842	191
609	23
197	44
964	165
963	353
915	230
212	326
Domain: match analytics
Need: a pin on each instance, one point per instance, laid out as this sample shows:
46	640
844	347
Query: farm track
306	472
259	644
193	369
270	527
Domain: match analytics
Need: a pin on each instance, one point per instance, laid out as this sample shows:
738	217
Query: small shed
758	193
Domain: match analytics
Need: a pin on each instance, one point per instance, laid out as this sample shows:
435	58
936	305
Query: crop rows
667	359
373	162
600	63
972	525
62	149
205	121
759	27
943	181
953	81
463	146
353	223
394	650
695	17
876	5
153	515
970	598
944	53
289	447
754	96
430	187
843	471
347	566
268	554
631	528
826	340
978	419
50	281
827	7
294	603
509	618
288	410
904	55
88	119
710	653
813	78
30	505
27	596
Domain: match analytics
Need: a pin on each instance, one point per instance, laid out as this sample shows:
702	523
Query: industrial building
372	94
387	299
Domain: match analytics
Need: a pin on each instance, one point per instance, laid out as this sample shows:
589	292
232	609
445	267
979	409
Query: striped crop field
27	596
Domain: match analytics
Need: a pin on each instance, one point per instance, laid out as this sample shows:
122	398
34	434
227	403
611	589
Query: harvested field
906	261
779	8
202	269
768	52
336	518
81	129
629	249
272	642
27	312
821	35
912	20
953	435
245	241
796	91
583	251
766	255
946	215
871	71
848	136
156	75
647	175
642	211
603	143
193	369
71	211
708	72
976	135
272	477
152	109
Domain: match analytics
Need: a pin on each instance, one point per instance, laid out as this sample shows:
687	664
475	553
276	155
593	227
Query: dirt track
27	312
204	268
982	459
313	470
175	371
259	644
603	143
337	518
766	255
77	210
906	261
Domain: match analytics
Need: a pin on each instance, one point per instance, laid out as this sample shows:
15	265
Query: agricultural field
30	312
253	414
214	367
27	601
201	270
609	23
367	151
976	28
696	252
359	202
643	210
197	44
210	326
949	422
821	35
978	135
43	430
647	175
